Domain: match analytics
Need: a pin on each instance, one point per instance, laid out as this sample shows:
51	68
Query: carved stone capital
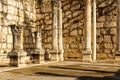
16	30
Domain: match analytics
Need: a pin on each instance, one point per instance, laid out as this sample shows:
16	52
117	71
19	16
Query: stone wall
44	20
32	14
106	29
15	12
73	27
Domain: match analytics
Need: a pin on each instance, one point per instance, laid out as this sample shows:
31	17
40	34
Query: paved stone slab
67	70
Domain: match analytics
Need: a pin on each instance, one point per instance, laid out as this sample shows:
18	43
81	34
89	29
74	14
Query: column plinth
39	52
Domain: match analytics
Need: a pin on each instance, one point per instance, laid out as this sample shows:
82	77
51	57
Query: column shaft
55	28
14	42
88	25
87	52
38	39
94	30
60	41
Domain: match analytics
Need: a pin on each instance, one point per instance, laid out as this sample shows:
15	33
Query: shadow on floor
116	75
92	70
97	78
54	74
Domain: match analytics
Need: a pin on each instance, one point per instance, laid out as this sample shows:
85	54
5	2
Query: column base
38	56
53	55
41	58
117	55
87	56
17	58
60	55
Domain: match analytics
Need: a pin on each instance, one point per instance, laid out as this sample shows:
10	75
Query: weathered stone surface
107	38
9	39
113	31
74	33
14	12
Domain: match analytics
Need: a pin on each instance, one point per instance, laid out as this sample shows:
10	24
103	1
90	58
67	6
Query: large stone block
100	39
9	46
9	17
104	31
66	7
100	24
9	39
114	39
80	32
4	46
74	33
48	21
101	19
5	8
107	39
1	8
12	3
4	30
11	10
67	14
108	45
75	14
73	46
113	31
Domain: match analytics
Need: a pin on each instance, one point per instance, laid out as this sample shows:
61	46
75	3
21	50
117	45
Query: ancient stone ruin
35	31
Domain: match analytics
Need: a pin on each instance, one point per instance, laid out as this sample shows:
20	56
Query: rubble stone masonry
38	13
74	27
15	12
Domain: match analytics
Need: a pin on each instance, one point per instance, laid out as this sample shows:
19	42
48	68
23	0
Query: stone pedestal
17	58
38	56
61	55
39	52
4	59
53	55
87	55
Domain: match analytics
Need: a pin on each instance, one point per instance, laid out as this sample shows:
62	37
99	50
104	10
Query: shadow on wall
73	28
106	29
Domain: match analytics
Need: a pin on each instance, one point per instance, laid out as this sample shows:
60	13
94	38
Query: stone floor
67	70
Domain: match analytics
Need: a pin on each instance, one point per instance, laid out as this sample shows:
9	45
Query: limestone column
38	39
17	55
94	30
60	41
117	53
39	51
53	54
55	25
87	51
